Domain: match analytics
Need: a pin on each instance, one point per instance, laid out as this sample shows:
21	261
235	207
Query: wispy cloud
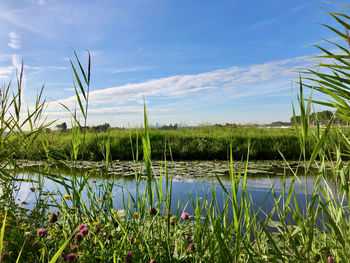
14	41
5	72
19	19
235	81
276	19
42	2
130	69
118	110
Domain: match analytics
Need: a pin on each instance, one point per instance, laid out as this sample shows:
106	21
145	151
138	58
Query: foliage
62	126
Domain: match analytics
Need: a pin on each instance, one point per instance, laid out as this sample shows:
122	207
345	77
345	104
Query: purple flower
188	237
191	247
185	216
78	237
81	227
53	218
172	223
132	240
128	257
84	231
330	259
41	232
70	257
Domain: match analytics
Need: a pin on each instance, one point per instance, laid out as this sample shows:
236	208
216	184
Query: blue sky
194	61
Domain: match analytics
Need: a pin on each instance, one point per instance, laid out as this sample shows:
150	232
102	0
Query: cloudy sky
193	62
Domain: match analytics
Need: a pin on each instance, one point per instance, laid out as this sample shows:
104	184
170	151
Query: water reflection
200	187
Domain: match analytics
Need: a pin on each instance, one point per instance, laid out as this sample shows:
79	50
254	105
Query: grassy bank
202	143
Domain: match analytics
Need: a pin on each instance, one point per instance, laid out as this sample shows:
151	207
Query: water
198	187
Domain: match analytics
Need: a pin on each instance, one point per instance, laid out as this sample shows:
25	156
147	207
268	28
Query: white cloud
20	19
235	80
117	110
5	72
131	69
16	61
14	41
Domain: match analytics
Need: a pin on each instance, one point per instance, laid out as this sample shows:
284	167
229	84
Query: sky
192	62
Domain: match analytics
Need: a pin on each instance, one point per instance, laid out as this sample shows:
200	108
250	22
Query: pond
193	183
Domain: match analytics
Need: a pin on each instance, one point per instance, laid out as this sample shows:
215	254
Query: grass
202	143
146	230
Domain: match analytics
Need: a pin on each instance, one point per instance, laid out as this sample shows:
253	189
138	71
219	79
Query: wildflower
132	240
70	257
185	216
330	259
135	215
84	231
81	227
95	223
67	197
53	218
173	218
41	232
187	237
153	211
5	256
78	237
153	261
74	248
172	223
128	257
99	200
191	247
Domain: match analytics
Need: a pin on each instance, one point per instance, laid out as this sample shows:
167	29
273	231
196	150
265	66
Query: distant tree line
323	117
169	127
99	128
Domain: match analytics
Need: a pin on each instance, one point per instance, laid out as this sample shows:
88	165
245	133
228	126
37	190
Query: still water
259	187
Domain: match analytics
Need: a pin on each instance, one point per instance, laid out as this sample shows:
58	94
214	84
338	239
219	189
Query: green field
201	143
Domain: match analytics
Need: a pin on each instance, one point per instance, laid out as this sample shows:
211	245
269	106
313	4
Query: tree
322	116
297	119
62	126
103	127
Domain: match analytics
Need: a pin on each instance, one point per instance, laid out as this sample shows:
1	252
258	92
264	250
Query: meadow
63	227
199	143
